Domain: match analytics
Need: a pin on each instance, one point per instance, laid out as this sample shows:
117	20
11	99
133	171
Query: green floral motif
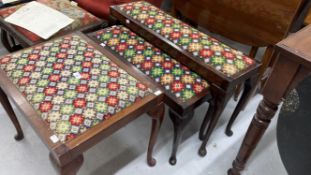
70	94
148	52
107	36
63	127
51	59
17	74
129	53
240	64
74	80
132	90
218	60
38	97
103	78
103	92
187	94
42	83
157	72
177	72
22	61
47	71
158	26
67	109
184	41
101	107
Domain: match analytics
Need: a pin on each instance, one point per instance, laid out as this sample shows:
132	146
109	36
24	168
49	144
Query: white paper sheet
39	19
8	1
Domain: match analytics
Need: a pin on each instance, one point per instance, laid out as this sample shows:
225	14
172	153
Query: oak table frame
293	64
9	34
222	87
68	156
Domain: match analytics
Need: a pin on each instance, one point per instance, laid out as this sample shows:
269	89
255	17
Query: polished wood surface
252	22
68	156
293	64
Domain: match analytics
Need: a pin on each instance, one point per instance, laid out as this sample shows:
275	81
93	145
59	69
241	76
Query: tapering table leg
179	122
260	122
9	110
157	116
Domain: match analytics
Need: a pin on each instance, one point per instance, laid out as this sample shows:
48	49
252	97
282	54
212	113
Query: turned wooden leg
179	122
157	116
218	106
71	168
260	122
9	110
249	91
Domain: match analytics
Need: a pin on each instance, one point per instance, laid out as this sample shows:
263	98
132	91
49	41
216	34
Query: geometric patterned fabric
71	85
207	49
81	17
176	78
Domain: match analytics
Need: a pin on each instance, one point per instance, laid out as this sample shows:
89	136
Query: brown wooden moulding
68	155
222	86
293	64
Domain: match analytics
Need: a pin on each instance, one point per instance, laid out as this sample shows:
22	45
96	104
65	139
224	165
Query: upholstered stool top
72	85
224	59
81	17
173	76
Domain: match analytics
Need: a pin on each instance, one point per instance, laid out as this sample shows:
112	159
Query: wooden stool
74	94
223	67
184	89
14	37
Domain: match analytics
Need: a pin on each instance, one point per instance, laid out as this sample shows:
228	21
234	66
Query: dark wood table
74	93
14	37
293	64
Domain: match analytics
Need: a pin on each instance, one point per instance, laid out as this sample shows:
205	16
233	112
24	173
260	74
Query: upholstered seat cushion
71	85
81	17
100	8
175	78
219	56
